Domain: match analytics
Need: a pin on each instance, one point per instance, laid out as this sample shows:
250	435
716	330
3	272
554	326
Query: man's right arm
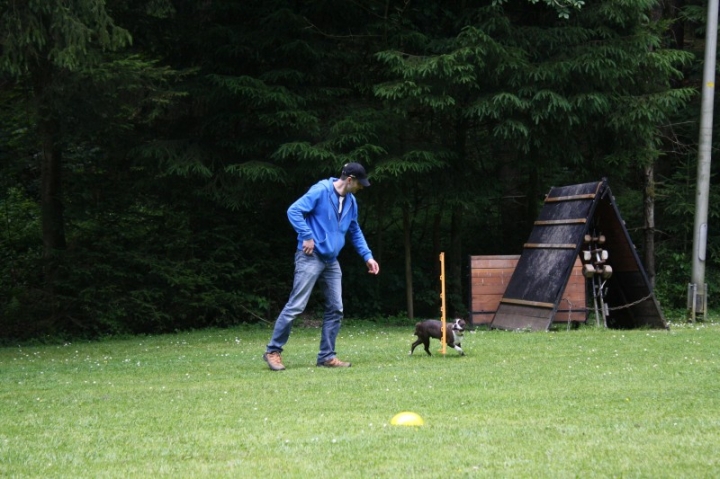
296	215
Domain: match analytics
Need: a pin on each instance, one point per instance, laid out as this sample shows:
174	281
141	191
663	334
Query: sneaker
274	361
334	363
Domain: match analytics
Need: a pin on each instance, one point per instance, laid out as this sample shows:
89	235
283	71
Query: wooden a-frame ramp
570	217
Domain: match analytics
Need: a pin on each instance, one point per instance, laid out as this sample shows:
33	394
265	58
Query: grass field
579	403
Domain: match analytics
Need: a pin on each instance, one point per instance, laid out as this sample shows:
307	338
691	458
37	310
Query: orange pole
442	299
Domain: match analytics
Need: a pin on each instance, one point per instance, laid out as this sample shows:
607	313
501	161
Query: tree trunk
677	29
51	209
533	190
53	229
453	281
649	192
649	213
408	264
378	246
437	247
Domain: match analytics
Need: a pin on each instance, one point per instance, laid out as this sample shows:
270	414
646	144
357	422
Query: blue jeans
310	269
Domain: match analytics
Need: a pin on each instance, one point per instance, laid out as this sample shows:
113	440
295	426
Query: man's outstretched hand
373	266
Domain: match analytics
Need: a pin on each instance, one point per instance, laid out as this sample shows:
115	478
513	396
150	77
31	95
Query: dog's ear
460	324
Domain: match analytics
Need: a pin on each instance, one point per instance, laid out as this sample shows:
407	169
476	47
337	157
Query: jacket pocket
330	246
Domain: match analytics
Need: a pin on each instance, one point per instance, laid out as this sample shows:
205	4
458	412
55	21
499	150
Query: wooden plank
482	319
486	304
494	263
556	199
480	279
550	245
533	312
574	289
485	289
516	317
522	302
561	222
492	273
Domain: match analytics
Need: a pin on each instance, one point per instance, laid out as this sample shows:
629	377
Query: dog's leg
456	342
415	344
427	346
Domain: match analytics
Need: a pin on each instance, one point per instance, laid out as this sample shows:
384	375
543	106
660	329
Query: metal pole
704	149
595	300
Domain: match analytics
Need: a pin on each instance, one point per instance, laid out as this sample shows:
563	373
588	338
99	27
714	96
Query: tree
589	93
181	152
42	43
82	99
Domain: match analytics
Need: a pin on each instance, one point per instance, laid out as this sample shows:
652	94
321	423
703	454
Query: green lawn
580	403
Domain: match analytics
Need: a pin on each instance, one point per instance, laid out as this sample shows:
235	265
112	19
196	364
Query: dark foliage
181	150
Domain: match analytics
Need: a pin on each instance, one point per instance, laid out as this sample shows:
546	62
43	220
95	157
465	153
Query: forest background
150	148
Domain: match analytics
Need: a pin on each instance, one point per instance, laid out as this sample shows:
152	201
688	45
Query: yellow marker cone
407	418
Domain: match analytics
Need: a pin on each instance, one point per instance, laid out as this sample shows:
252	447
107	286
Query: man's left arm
357	238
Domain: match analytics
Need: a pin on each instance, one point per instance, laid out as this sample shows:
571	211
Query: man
322	217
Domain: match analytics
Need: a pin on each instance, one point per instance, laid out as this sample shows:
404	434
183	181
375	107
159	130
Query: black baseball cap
356	170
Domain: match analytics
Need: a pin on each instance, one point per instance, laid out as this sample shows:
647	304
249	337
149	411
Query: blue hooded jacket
315	216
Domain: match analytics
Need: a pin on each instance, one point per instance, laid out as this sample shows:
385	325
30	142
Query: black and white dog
432	328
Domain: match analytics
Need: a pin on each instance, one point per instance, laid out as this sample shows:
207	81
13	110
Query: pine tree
588	95
42	42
